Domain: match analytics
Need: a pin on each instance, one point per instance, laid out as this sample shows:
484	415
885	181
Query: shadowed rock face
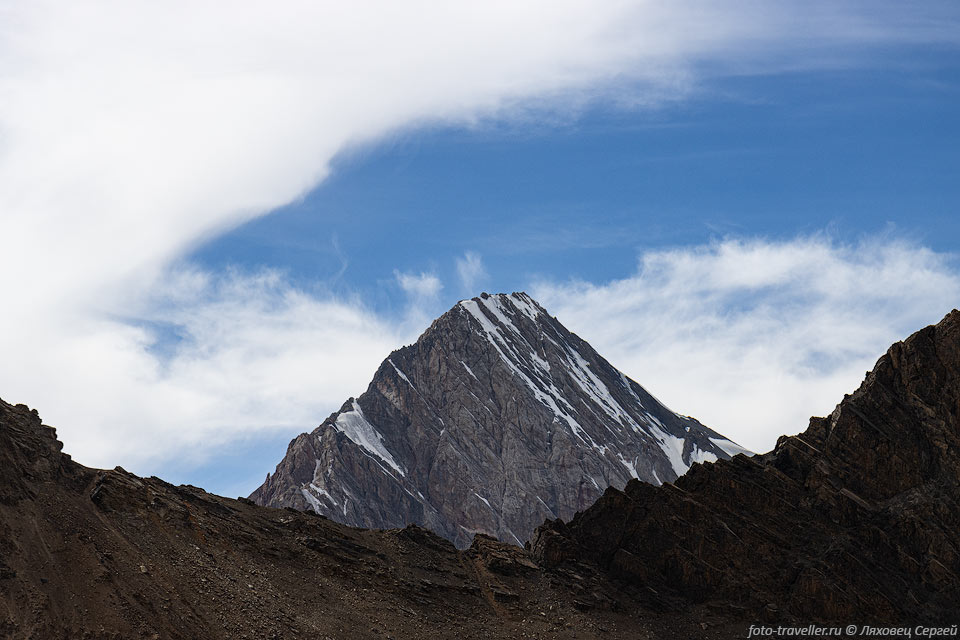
494	420
855	519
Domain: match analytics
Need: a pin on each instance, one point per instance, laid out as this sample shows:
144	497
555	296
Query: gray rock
496	419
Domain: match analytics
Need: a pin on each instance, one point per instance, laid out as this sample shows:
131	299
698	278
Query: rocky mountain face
857	518
494	420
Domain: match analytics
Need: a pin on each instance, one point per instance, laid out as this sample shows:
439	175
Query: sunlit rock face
496	419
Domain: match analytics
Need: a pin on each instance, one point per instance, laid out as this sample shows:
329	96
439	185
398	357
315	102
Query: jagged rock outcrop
495	419
857	518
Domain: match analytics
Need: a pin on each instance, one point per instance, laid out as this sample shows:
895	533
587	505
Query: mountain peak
506	309
495	419
520	300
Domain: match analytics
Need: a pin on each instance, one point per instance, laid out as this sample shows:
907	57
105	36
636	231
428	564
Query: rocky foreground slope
90	554
496	419
855	520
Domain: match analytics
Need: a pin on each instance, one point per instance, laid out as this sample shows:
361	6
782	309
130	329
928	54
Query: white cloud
132	131
240	355
471	271
753	337
423	286
423	298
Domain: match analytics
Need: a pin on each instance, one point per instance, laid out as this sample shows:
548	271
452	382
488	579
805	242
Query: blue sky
849	152
225	223
865	152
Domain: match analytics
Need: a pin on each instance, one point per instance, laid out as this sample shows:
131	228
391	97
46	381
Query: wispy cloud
423	297
421	286
471	272
754	336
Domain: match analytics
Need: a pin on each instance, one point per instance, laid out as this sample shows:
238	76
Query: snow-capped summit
494	420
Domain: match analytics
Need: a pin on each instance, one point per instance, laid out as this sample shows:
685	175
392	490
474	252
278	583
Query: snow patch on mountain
469	370
701	456
353	425
672	446
400	373
730	447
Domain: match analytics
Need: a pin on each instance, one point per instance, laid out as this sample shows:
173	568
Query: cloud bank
207	361
752	337
131	132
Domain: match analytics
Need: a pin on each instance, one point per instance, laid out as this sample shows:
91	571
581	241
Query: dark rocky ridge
494	420
855	519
